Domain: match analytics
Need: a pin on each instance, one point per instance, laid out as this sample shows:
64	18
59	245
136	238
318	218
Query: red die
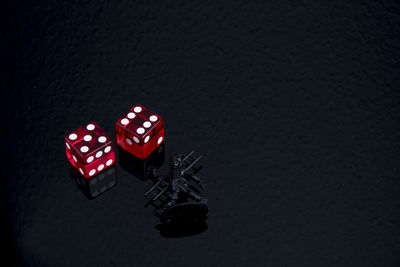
89	149
140	131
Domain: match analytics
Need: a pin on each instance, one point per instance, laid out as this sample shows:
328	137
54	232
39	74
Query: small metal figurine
181	188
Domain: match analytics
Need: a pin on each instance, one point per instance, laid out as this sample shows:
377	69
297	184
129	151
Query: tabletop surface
294	107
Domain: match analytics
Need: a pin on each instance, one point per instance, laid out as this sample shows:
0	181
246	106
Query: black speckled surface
295	108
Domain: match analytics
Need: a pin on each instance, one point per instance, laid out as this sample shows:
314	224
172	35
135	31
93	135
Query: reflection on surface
141	168
97	184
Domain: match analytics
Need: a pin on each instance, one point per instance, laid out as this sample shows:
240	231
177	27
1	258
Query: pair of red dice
90	150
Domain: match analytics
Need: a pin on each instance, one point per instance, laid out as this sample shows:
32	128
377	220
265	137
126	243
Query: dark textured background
294	106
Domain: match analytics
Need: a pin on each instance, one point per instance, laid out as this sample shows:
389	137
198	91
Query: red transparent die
89	149
140	131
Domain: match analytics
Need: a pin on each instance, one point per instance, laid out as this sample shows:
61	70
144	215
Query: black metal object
179	195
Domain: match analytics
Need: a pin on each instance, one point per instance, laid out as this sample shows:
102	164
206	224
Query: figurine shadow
186	218
181	230
183	219
96	185
141	168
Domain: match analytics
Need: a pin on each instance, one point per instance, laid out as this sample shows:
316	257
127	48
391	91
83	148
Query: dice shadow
141	168
96	185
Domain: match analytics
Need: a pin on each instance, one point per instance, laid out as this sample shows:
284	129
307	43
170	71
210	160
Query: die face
140	131
89	149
